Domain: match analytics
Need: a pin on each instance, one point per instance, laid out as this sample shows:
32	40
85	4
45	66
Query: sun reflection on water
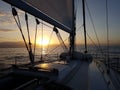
43	66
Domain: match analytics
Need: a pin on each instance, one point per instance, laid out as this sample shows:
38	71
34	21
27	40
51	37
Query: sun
43	42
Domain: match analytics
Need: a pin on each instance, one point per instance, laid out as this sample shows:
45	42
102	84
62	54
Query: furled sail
56	12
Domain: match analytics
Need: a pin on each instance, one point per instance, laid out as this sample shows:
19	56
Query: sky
10	34
98	13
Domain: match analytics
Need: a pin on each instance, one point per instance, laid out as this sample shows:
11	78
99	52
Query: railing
24	60
45	58
114	60
115	64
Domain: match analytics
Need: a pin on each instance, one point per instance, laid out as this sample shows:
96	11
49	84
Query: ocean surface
9	56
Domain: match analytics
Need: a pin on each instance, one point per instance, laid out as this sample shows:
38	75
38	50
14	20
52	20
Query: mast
84	24
72	35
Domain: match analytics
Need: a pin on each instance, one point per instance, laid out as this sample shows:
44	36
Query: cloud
6	18
1	37
11	44
2	14
6	30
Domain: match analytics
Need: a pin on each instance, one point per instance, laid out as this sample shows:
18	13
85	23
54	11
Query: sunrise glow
43	41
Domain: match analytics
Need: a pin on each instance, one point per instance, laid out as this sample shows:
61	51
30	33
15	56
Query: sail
56	12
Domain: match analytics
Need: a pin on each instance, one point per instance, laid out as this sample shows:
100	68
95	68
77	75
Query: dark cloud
6	30
11	44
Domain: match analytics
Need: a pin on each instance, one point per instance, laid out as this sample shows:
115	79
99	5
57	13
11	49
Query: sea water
9	56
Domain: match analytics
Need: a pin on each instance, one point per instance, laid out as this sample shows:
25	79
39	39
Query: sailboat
75	74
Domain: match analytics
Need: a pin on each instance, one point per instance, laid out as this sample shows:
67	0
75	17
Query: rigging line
89	37
93	26
46	25
14	13
31	56
60	39
37	22
42	43
107	32
52	50
26	19
55	47
95	44
76	9
62	43
92	40
79	27
49	40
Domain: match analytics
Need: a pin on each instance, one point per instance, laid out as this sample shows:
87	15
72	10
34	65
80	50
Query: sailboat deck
96	81
89	77
62	68
80	79
81	75
77	75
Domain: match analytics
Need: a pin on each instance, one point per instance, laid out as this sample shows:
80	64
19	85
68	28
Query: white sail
56	12
59	10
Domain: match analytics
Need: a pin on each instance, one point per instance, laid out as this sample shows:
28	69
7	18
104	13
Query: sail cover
55	12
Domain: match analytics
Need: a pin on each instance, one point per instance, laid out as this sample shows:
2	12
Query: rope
26	19
60	39
37	22
31	56
92	41
41	58
79	27
107	32
95	44
46	25
49	41
99	46
14	13
55	48
94	28
29	49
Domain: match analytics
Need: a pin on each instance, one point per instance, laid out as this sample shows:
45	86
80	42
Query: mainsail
56	12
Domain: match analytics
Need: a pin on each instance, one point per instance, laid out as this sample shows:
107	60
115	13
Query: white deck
96	81
88	77
80	79
80	75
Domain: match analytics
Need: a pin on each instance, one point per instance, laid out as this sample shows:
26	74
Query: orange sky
9	31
